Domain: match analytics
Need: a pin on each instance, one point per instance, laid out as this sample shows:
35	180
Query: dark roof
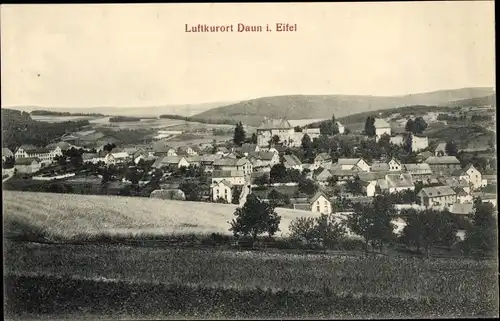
26	160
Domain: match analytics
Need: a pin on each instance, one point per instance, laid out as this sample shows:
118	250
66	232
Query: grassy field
80	217
67	281
59	119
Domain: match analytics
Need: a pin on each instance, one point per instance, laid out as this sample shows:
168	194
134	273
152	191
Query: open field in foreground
105	281
79	217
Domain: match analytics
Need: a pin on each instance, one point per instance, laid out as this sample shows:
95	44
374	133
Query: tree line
18	128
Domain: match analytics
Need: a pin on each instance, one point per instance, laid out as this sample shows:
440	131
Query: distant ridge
182	110
251	112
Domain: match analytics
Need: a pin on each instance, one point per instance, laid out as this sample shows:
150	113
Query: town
323	168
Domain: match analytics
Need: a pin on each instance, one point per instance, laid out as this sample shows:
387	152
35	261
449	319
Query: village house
230	164
194	160
344	175
247	149
394	165
6	153
471	175
351	163
207	162
222	190
419	143
437	196
45	155
319	203
93	158
399	182
440	150
466	209
64	146
381	127
27	165
116	158
379	167
369	188
274	127
322	159
443	165
222	151
463	196
263	161
161	148
455	182
235	177
292	162
186	151
419	172
175	161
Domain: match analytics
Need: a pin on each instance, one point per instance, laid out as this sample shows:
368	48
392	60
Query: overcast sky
140	55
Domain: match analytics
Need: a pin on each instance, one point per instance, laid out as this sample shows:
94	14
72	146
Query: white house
222	189
437	196
381	127
233	164
275	127
319	203
322	159
45	155
350	163
399	182
394	165
419	143
370	188
234	177
114	158
474	176
178	161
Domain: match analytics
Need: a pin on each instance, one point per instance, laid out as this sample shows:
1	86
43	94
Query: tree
307	186
254	138
354	186
451	148
347	131
239	134
236	193
420	125
191	190
278	173
298	129
275	140
323	230
255	218
262	180
482	235
332	181
109	147
370	126
373	222
306	142
9	162
411	126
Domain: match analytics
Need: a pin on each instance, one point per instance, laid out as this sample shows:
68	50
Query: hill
74	216
184	110
251	112
489	100
18	128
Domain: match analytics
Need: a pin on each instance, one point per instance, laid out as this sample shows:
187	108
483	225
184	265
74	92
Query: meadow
106	281
80	217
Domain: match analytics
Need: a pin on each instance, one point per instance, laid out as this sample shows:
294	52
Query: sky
118	55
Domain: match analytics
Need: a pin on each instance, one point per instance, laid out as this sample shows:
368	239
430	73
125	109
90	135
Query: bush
322	230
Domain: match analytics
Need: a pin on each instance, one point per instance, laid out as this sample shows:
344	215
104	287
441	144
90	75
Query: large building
284	131
381	128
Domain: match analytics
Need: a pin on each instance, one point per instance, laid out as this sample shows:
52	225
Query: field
77	217
103	281
58	119
95	281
